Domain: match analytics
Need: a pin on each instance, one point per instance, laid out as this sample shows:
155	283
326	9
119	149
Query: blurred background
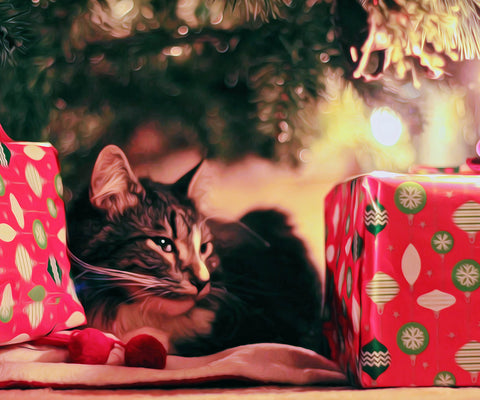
284	98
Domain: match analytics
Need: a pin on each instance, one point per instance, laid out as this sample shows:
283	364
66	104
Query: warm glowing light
174	51
216	19
354	54
386	126
118	19
147	12
121	8
381	38
305	155
324	58
283	137
183	30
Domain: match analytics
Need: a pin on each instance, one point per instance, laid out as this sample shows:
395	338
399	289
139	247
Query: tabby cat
144	258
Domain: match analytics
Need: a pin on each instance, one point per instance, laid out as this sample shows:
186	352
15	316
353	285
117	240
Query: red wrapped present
403	276
37	295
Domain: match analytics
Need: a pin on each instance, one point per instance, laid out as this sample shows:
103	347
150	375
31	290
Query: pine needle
13	29
261	9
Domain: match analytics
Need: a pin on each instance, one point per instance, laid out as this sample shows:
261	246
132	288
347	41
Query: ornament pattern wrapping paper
37	295
403	273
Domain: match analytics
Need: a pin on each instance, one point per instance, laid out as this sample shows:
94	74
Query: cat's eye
166	244
206	248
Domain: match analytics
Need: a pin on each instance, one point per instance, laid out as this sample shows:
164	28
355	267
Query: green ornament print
376	218
39	234
467	357
5	155
344	308
444	378
412	338
442	242
2	186
357	246
54	271
375	358
37	293
410	197
349	282
382	289
6	304
59	185
52	208
36	310
466	275
466	217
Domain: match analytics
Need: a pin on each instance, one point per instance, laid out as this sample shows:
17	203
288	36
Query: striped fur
143	257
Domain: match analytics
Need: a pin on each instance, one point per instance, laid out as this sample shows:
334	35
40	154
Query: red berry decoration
145	351
90	346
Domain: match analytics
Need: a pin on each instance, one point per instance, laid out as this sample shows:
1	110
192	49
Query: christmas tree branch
264	10
14	28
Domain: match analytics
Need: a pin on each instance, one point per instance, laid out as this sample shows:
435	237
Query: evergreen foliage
234	87
229	76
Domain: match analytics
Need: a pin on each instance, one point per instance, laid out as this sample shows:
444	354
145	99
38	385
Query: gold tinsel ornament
425	31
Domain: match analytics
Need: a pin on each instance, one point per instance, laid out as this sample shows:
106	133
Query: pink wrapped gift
403	273
37	295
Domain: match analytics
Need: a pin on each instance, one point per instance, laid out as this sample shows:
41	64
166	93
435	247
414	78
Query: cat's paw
145	351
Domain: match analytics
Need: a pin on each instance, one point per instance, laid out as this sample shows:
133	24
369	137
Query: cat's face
151	242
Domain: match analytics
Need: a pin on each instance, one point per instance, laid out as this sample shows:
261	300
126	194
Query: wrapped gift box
37	295
403	277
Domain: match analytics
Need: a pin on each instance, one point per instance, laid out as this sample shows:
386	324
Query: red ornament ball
145	351
90	346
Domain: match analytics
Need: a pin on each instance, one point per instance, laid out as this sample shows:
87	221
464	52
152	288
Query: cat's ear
114	187
182	187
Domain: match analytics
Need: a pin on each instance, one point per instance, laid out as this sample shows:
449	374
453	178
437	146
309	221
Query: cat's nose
199	284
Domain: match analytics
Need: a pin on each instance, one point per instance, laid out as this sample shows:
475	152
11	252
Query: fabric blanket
27	365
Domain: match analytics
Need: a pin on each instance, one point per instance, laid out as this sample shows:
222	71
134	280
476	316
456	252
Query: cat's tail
267	223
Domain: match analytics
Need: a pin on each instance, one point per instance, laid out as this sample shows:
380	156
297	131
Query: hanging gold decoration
427	31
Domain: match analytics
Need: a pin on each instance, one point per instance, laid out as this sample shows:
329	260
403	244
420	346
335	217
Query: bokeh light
386	126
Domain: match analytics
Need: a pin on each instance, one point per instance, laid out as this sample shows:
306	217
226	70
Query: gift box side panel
36	292
344	244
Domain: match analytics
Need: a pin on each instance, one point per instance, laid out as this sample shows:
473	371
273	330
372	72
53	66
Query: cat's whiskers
146	291
127	278
135	296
